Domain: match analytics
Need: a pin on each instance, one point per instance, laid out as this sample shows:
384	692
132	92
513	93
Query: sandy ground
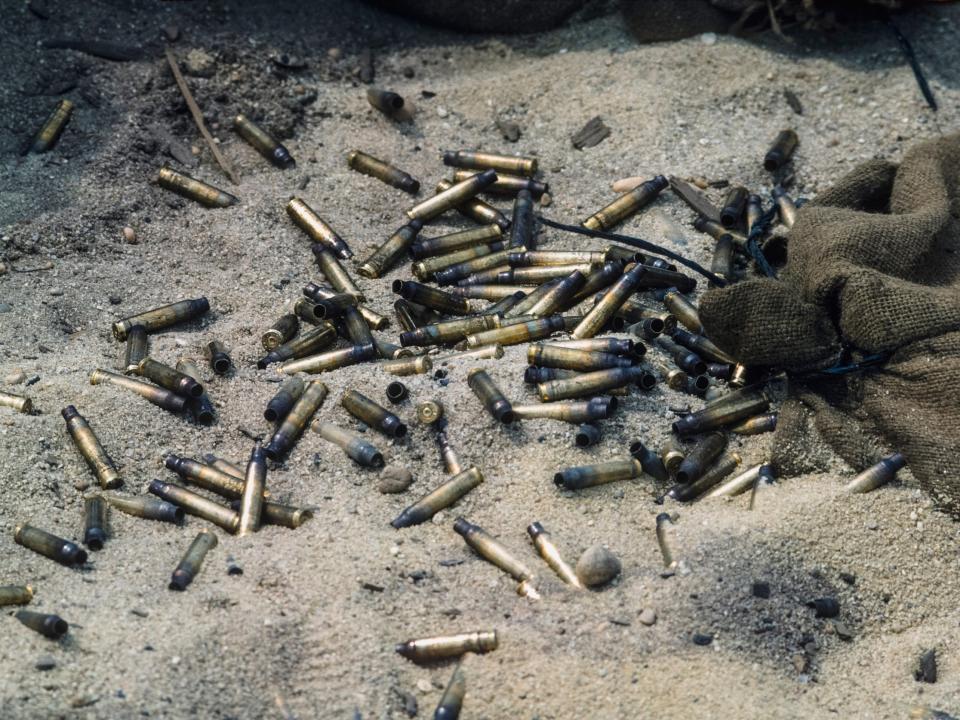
297	634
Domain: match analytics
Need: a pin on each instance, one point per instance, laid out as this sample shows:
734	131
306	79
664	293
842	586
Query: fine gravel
308	629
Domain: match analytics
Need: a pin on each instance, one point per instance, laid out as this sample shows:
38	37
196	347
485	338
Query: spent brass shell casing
200	407
286	397
739	375
518	333
625	255
373	414
699	457
282	331
167	377
90	448
448	646
408	366
756	425
192	561
766	478
487	352
559	297
431	297
357	328
310	343
595	383
161	317
193	189
393	249
736	485
254	483
356	448
207	477
551	555
507	184
20	404
600	314
49	545
626	205
546	258
786	208
524	276
578	478
389	103
754	211
439	499
263	142
287	516
721	264
333	271
658	277
672	454
717	472
320	232
734	205
451	702
522	309
491	550
449	331
477	210
453	196
490	395
523	227
51	626
509	164
653	321
460	271
682	309
666	533
225	466
452	464
331	360
686	360
388	350
144	506
877	475
587	435
504	304
94	522
135	349
728	410
674	378
576	412
318	293
599	279
397	392
15	594
550	355
429	412
197	505
383	171
781	150
296	420
407	316
52	127
218	356
720	371
452	242
702	346
512	293
649	460
714	229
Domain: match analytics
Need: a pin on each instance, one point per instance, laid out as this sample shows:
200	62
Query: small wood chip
592	134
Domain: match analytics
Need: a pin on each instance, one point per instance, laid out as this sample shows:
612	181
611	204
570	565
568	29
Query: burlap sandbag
874	267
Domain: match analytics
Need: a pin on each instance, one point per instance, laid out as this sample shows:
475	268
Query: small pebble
843	632
424	685
926	667
56	292
597	566
761	589
130	235
115	299
825	607
708	38
702	639
546	199
648	616
5	307
199	64
15	377
45	662
442	111
394	479
334	53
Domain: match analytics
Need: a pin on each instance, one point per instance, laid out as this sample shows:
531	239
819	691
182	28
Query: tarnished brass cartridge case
877	475
700	456
635	310
161	317
490	395
686	360
94	522
192	561
287	516
690	491
296	420
20	404
206	476
263	142
197	505
439	499
595	383
534	275
389	103
282	331
357	329
551	555
286	397
49	545
373	414
15	594
734	204
383	171
598	279
683	310
625	255
333	271
523	227
626	205
504	304
218	356
754	212
388	350
587	434
559	297
672	454
334	306
431	297
201	408
407	366
251	501
407	316
657	277
578	478
477	210
451	702
714	229
453	196
650	461
225	466
453	273
52	128
781	150
507	184
449	646
739	375
514	293
356	448
429	412
786	208
145	506
390	253
397	392
51	626
736	485
509	164
674	378
722	263
766	479
720	371
584	411
319	231
317	293
550	355
756	425
452	464
491	550
193	189
449	331
702	346
522	308
332	360
666	532
728	410
135	349
169	378
544	258
453	242
600	314
310	343
90	448
518	333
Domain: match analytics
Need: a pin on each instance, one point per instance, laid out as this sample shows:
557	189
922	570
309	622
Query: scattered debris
591	135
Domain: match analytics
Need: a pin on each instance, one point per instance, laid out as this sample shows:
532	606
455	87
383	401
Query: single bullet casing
144	506
94	522
225	466
453	196
407	366
161	317
193	189
135	349
781	150
448	646
319	231
737	485
714	229
309	343
15	594
51	626
296	420
200	407
626	205
397	392
666	532
206	476
717	472
429	412
389	103
52	127
373	414
49	545
551	555
578	478
523	223
686	360
197	505
559	297
729	410
587	435
383	171
192	561
449	331
510	294
786	208
766	479
734	205
451	702
20	404
218	357
756	425
576	412
390	253
169	378
600	314
477	210
507	184
518	333
551	355
699	457
431	297
440	498
447	244
509	164
263	142
722	263
490	395
650	461
90	448
331	360
356	448
280	404
333	271
491	550
672	454
702	346
282	331
595	383
877	475
452	464
254	484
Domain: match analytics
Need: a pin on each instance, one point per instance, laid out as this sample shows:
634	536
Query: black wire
911	56
637	243
758	230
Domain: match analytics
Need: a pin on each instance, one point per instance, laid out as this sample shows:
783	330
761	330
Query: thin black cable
911	56
637	243
758	230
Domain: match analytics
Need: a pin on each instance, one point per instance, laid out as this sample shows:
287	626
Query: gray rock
5	307
648	616
394	479
199	64
597	566
45	662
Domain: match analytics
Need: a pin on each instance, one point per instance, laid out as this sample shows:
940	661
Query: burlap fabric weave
873	265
